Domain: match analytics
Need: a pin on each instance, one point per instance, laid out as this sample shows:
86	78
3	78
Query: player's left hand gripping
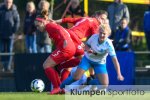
120	78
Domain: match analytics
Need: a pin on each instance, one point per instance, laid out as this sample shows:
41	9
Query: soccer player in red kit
83	27
65	49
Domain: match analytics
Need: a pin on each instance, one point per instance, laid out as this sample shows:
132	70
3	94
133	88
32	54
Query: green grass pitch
29	96
46	96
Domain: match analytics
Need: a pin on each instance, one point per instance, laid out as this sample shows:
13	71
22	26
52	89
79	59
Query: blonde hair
44	2
31	3
105	28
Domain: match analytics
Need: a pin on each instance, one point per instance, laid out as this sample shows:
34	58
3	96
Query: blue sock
68	81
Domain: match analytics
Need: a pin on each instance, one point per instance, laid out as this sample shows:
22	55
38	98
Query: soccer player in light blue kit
97	49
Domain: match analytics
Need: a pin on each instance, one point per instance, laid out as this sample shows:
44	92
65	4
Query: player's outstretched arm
117	67
68	20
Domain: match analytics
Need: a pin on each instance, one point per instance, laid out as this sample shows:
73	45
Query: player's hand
120	77
90	51
82	45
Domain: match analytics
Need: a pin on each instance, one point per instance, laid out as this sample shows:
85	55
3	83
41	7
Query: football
37	85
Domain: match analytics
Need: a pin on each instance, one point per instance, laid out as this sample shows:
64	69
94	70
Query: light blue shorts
85	64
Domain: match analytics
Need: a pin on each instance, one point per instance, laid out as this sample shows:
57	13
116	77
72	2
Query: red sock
57	77
50	73
70	63
64	75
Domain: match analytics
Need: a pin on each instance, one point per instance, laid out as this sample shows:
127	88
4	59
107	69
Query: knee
76	77
47	64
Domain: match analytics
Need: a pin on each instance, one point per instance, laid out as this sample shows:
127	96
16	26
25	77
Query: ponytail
44	14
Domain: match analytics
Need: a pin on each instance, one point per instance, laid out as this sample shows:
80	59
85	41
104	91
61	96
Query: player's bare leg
103	79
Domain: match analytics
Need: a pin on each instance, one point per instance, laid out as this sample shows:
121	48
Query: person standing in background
29	28
147	26
122	41
73	10
116	12
9	24
44	44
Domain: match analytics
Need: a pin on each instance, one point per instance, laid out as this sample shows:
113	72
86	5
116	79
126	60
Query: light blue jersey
96	60
102	50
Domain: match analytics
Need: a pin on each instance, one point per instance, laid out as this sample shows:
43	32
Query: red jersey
83	27
58	34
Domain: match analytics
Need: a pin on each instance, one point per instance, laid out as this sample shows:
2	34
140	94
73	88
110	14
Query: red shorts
62	54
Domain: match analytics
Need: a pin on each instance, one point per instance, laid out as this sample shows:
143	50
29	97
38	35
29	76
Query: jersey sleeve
94	30
70	20
111	49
